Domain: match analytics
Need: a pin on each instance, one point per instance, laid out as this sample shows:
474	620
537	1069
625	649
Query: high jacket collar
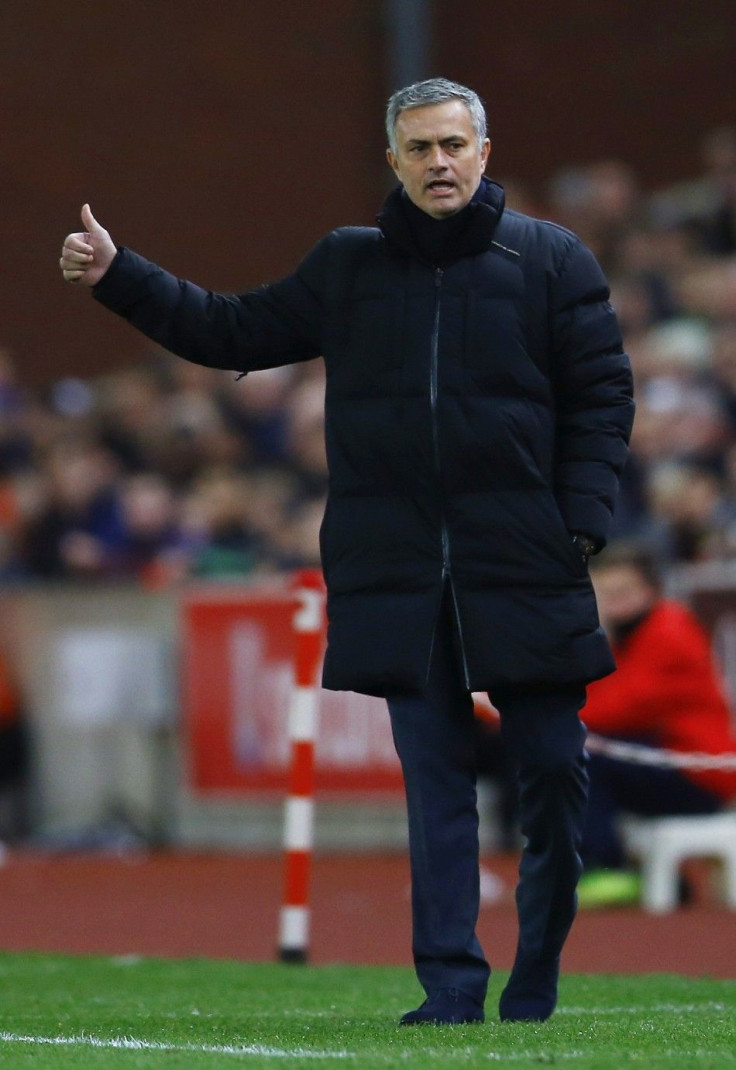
442	241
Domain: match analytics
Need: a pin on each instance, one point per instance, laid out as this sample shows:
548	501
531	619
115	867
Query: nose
438	159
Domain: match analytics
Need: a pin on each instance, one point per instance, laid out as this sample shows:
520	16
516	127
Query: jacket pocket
563	538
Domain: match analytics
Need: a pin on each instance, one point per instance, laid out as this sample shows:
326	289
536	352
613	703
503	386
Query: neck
441	242
435	238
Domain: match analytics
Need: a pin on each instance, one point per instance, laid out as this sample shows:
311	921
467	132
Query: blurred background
223	140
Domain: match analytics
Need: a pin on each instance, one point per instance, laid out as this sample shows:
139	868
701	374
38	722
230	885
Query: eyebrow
442	141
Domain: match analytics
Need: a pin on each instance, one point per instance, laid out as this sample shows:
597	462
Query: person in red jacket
665	693
14	758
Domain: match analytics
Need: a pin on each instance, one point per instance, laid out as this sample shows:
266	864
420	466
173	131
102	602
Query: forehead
435	121
619	577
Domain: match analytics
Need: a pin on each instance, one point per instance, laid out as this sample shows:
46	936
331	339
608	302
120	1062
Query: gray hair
434	91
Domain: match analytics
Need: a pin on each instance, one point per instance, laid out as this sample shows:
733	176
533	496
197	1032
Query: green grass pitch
67	1012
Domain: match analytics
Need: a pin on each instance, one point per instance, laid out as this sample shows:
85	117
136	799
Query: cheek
621	606
404	172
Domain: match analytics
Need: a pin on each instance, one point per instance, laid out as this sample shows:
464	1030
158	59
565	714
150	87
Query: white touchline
446	1055
589	1054
655	1008
134	1044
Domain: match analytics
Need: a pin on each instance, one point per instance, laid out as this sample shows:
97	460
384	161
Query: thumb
90	223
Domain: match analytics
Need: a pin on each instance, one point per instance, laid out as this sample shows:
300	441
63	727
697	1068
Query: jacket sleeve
593	391
275	324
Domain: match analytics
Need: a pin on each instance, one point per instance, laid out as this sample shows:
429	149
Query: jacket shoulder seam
571	240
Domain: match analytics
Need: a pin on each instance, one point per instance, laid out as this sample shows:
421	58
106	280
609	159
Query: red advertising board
238	675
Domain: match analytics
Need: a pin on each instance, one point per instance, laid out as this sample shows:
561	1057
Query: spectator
224	542
259	411
15	444
692	516
666	694
152	547
79	529
719	152
13	759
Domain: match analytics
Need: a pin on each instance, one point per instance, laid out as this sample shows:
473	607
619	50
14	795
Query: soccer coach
477	413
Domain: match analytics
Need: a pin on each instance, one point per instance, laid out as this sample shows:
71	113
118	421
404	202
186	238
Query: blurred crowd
161	471
165	470
671	260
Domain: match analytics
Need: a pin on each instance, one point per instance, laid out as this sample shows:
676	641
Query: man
666	694
478	406
14	759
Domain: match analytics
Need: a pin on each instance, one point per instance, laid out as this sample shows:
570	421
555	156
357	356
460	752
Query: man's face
622	594
438	159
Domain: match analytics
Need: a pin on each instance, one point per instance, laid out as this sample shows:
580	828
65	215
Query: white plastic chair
662	843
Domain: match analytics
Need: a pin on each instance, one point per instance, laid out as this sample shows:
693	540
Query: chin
441	210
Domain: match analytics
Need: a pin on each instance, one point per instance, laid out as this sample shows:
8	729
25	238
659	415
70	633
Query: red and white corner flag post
299	809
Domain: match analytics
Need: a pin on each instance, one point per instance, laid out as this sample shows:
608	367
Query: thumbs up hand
86	256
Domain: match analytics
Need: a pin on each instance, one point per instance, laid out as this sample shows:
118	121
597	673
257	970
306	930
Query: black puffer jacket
476	414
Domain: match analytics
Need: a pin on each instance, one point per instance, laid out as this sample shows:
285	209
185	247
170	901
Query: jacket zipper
433	378
433	381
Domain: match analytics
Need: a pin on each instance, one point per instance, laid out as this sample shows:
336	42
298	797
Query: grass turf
67	1012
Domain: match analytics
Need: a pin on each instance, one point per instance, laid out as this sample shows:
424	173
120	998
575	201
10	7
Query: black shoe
446	1006
531	992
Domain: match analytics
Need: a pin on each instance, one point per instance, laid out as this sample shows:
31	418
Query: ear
485	152
393	162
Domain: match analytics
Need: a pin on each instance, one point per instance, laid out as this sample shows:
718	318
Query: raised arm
280	323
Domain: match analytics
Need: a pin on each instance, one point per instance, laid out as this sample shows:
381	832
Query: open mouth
441	185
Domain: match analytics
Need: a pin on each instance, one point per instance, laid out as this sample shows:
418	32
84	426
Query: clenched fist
86	256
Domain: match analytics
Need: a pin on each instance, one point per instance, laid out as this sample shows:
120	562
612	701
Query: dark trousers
434	733
645	790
